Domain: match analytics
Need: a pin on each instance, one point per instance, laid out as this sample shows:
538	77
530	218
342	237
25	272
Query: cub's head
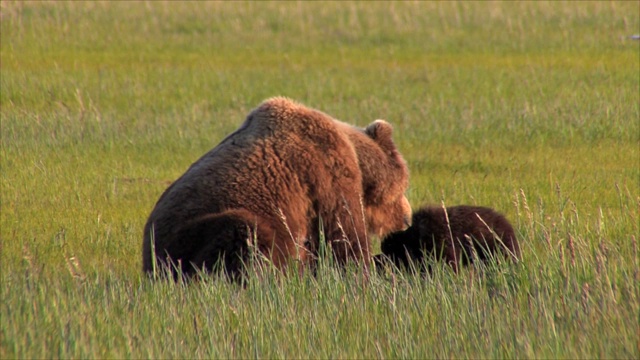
402	247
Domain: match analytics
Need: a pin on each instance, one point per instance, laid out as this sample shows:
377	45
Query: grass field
532	108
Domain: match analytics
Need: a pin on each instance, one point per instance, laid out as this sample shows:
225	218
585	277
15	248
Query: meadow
532	108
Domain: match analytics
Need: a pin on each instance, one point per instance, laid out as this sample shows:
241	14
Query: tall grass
532	108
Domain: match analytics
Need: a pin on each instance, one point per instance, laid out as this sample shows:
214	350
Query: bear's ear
381	131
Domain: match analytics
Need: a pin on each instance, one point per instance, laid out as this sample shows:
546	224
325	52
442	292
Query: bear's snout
407	213
407	222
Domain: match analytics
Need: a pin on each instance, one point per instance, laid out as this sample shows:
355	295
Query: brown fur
462	235
284	172
385	177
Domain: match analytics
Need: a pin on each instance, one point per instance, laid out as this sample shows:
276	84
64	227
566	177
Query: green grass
532	108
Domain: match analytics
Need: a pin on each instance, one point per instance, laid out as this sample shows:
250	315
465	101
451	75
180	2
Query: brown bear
288	174
459	236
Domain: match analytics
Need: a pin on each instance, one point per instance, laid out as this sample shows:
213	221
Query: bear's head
385	179
403	247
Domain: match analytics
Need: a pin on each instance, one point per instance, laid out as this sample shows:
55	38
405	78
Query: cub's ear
381	132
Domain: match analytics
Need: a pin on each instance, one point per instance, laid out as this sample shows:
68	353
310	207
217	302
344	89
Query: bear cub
462	235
